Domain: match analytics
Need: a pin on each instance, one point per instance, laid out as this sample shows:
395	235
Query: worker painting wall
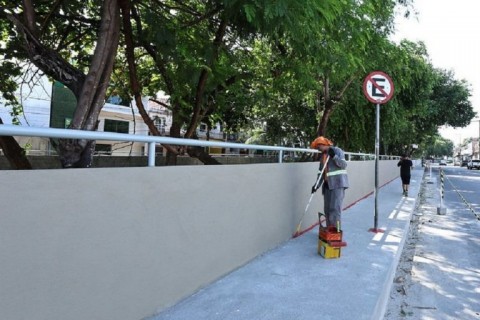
124	243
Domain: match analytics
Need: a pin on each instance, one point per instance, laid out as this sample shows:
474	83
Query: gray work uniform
334	186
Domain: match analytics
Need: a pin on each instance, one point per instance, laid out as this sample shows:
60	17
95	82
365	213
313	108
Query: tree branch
45	22
132	68
340	94
153	53
161	103
203	78
30	17
49	61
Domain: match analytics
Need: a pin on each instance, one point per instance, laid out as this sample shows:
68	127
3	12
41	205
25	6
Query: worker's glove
331	152
314	189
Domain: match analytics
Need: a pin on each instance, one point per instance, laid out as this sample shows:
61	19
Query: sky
450	31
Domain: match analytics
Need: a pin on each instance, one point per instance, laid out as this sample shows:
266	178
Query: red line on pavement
350	205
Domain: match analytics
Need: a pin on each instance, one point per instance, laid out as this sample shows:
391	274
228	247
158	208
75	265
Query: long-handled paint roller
297	231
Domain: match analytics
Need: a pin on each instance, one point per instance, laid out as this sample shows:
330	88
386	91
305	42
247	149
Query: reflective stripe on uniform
336	172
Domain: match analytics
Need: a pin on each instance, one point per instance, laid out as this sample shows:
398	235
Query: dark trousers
405	178
332	205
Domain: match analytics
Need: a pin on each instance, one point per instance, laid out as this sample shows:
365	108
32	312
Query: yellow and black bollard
442	210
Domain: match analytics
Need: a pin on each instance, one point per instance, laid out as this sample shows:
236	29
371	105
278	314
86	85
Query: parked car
473	164
443	163
464	163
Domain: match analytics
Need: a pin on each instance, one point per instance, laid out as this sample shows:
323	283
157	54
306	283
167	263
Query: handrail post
280	156
151	154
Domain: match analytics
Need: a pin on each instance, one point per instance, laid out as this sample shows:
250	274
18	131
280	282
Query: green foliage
425	98
449	99
271	67
439	147
8	86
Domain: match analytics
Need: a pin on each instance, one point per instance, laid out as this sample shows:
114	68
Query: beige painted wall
123	243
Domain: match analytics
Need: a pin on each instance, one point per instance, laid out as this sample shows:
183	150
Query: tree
450	100
14	153
197	50
283	67
311	73
415	111
343	53
48	36
439	148
193	47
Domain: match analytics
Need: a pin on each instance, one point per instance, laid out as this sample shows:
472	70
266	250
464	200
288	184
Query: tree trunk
175	130
202	81
200	154
79	153
14	153
330	102
327	108
322	125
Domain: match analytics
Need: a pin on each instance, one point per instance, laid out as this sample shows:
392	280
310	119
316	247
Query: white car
473	164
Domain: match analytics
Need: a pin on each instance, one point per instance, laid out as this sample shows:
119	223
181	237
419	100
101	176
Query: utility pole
478	141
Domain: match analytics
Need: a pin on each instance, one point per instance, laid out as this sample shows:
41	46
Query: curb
382	303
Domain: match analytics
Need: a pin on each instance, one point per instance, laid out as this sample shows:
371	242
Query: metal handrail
13	130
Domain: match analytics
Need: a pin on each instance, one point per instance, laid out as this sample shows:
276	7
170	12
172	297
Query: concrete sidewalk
294	282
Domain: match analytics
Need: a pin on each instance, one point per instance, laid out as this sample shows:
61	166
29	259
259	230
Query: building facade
52	105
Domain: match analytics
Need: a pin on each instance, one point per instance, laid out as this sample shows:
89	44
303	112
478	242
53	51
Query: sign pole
377	155
378	88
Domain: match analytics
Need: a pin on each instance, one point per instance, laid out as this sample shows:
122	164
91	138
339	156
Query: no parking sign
378	87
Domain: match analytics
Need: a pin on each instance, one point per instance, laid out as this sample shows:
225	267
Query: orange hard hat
320	141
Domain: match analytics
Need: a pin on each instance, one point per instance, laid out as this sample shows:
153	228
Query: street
463	188
438	276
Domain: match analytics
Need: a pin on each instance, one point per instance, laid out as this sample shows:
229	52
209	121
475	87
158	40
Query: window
116	126
160	123
105	149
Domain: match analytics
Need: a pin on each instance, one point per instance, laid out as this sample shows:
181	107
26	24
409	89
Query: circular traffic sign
378	87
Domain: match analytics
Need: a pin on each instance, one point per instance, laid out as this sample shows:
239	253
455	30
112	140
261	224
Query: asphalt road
438	276
462	187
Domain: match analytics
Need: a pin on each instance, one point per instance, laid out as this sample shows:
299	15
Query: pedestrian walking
334	177
405	165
